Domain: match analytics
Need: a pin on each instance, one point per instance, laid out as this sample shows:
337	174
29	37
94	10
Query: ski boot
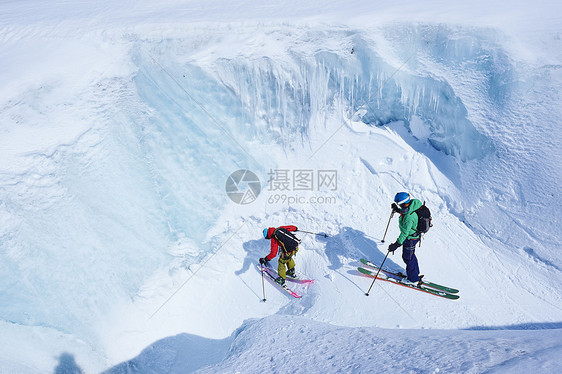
291	273
280	281
406	280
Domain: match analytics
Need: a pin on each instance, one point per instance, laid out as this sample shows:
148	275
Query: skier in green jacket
409	237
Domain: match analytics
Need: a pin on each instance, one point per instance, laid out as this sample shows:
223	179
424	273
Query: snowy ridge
331	349
284	343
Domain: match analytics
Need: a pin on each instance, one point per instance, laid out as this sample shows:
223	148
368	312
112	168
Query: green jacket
408	222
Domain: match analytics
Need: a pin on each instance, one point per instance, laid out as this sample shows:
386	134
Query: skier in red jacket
282	238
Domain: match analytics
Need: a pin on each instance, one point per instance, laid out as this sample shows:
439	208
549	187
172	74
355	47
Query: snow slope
120	123
362	350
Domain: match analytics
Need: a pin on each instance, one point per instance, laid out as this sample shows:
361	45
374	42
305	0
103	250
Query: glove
394	208
394	246
264	261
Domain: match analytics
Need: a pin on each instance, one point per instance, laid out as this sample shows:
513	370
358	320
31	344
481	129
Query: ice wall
357	79
128	187
195	134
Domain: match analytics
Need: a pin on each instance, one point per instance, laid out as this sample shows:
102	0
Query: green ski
392	279
394	274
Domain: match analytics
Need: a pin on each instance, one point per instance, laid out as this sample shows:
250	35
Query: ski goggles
402	205
404	202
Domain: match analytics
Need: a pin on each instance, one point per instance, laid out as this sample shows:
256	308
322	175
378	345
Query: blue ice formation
290	97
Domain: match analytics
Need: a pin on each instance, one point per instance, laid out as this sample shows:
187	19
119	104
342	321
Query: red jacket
274	242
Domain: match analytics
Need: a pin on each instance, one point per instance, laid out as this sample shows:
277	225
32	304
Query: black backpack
424	219
288	241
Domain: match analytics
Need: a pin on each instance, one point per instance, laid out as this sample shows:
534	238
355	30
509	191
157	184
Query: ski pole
314	233
262	283
367	293
388	224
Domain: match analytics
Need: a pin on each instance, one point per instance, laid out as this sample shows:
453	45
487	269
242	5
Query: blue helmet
265	233
402	198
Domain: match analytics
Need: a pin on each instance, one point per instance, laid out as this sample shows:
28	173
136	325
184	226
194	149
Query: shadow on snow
182	353
67	365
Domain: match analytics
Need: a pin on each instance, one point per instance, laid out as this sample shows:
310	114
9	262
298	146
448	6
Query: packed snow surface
122	250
